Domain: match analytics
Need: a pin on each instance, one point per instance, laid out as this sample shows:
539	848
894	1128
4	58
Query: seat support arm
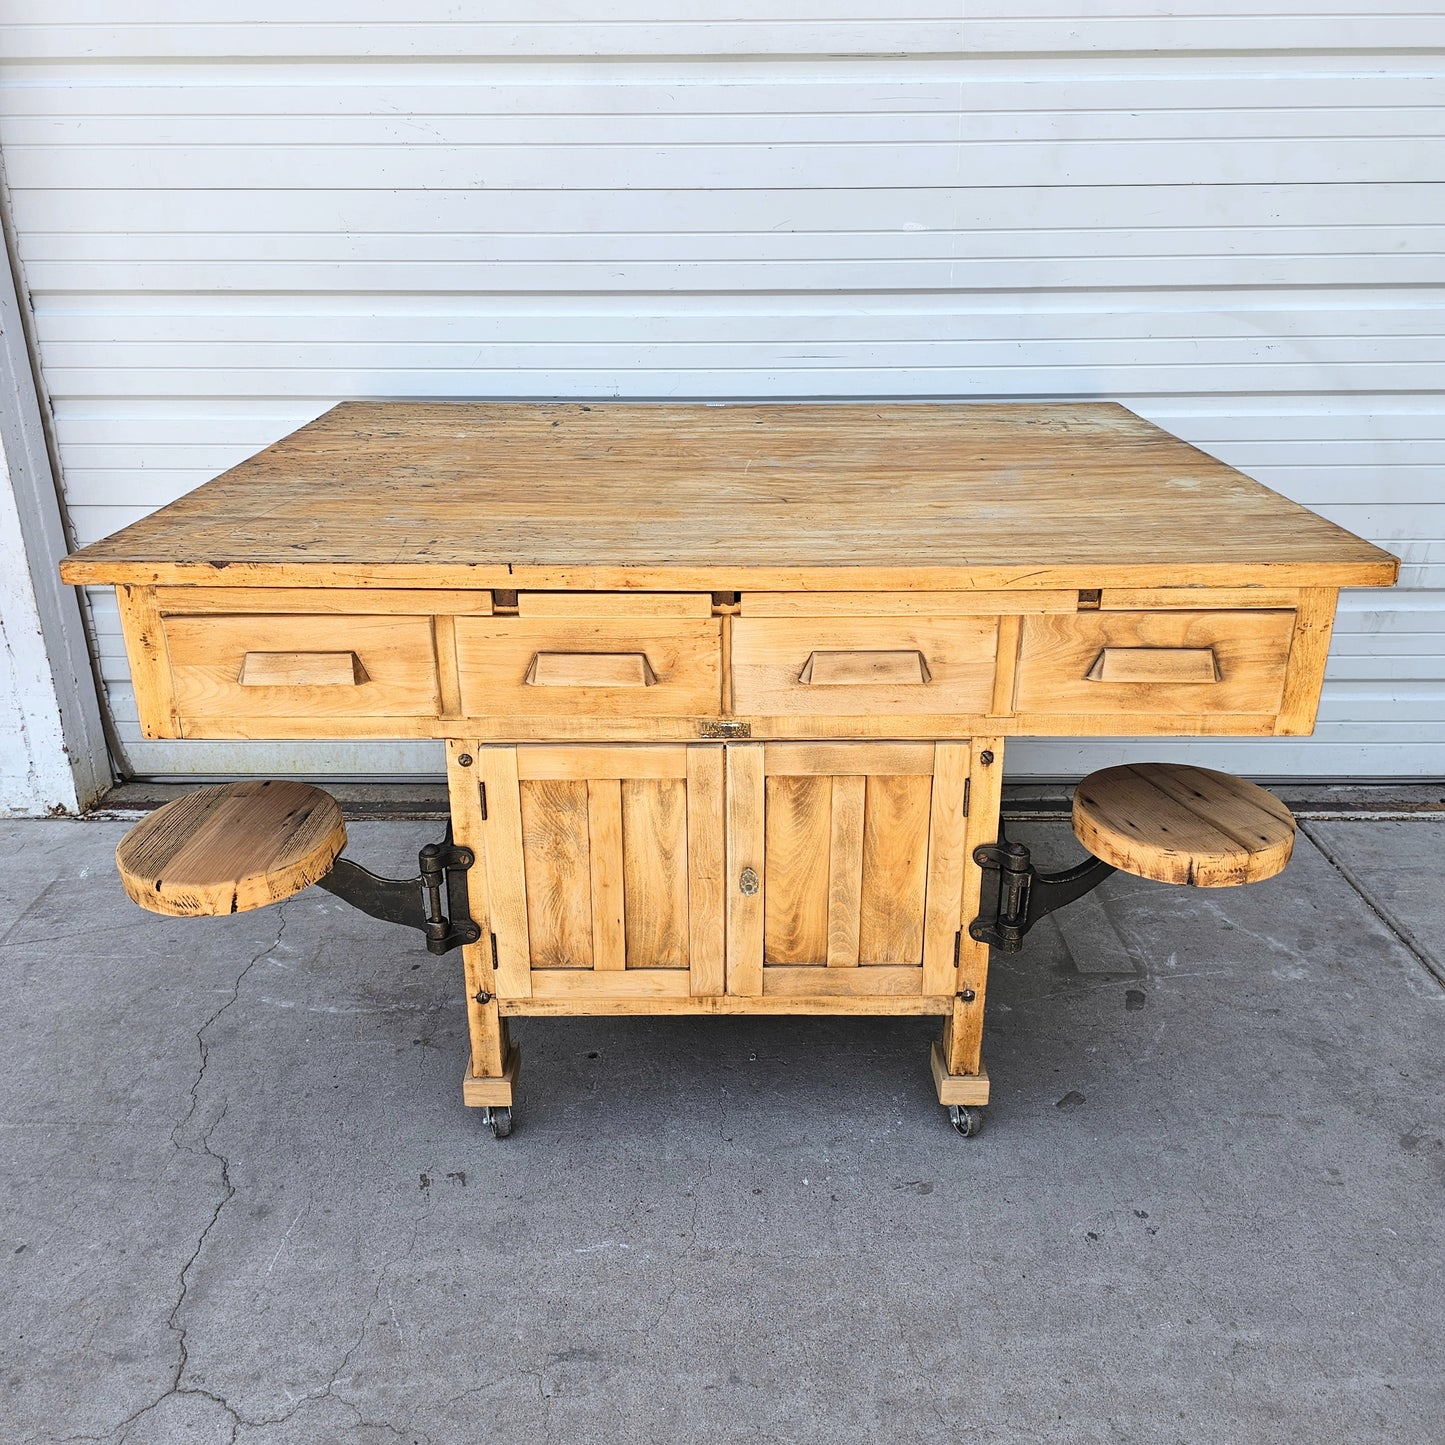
1015	895
415	902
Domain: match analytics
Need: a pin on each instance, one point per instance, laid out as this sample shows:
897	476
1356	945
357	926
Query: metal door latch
1015	895
415	902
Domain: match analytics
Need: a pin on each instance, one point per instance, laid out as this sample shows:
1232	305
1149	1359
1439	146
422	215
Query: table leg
957	1062
492	1068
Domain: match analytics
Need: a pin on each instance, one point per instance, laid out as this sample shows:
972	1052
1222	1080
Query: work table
725	688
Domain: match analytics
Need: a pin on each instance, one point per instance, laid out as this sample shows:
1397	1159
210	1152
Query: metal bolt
986	756
482	996
464	760
968	995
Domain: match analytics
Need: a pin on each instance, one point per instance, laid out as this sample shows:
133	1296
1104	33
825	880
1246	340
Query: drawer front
262	666
590	667
1150	662
861	666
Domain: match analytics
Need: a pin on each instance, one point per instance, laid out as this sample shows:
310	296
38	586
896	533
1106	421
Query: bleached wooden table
725	689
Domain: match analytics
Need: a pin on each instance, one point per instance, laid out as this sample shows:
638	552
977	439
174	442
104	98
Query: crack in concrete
328	1391
228	1193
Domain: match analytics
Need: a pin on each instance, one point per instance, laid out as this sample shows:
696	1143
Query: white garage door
1231	222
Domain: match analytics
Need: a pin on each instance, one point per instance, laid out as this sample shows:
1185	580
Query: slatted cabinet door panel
846	867
604	866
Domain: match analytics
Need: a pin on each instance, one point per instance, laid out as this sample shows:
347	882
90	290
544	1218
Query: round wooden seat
1177	824
231	848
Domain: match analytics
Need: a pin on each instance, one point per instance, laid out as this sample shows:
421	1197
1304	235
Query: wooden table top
812	496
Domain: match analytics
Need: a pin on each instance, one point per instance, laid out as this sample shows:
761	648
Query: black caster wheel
966	1119
498	1120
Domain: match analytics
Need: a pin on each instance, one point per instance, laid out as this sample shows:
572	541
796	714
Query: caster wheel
498	1120
967	1120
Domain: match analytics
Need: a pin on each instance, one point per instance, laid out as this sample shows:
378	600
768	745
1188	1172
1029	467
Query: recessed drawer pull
1155	664
301	669
907	668
590	669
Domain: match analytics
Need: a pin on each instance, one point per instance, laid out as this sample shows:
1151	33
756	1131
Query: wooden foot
957	1088
492	1093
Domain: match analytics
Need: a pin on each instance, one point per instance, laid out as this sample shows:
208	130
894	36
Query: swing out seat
231	848
1179	824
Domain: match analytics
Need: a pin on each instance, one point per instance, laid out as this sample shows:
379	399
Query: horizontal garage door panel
1231	223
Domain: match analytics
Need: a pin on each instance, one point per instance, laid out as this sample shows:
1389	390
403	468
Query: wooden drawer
595	667
861	666
1151	662
322	667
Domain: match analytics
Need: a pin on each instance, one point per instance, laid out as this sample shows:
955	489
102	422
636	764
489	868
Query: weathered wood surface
786	496
232	848
1177	824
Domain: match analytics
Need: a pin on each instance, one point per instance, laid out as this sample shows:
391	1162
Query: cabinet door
605	870
845	868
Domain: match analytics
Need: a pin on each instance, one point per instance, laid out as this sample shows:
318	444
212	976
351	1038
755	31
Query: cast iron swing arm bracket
415	902
1015	895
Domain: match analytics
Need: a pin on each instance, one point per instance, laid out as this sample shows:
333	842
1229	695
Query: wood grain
490	1044
583	987
557	868
150	662
496	655
706	870
580	760
301	669
491	1091
604	854
904	604
231	849
797	829
845	871
745	849
614	604
1177	824
838	759
1010	635
1309	651
506	870
592	1003
1059	652
1193	599
905	668
654	867
1155	664
590	669
963	1031
943	900
775	661
316	601
895	870
679	497
954	1088
396	667
823	983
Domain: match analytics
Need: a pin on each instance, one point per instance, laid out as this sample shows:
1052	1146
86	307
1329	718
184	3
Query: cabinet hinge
957	948
494	954
482	788
967	789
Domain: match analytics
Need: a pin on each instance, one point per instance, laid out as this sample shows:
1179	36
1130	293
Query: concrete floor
240	1198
